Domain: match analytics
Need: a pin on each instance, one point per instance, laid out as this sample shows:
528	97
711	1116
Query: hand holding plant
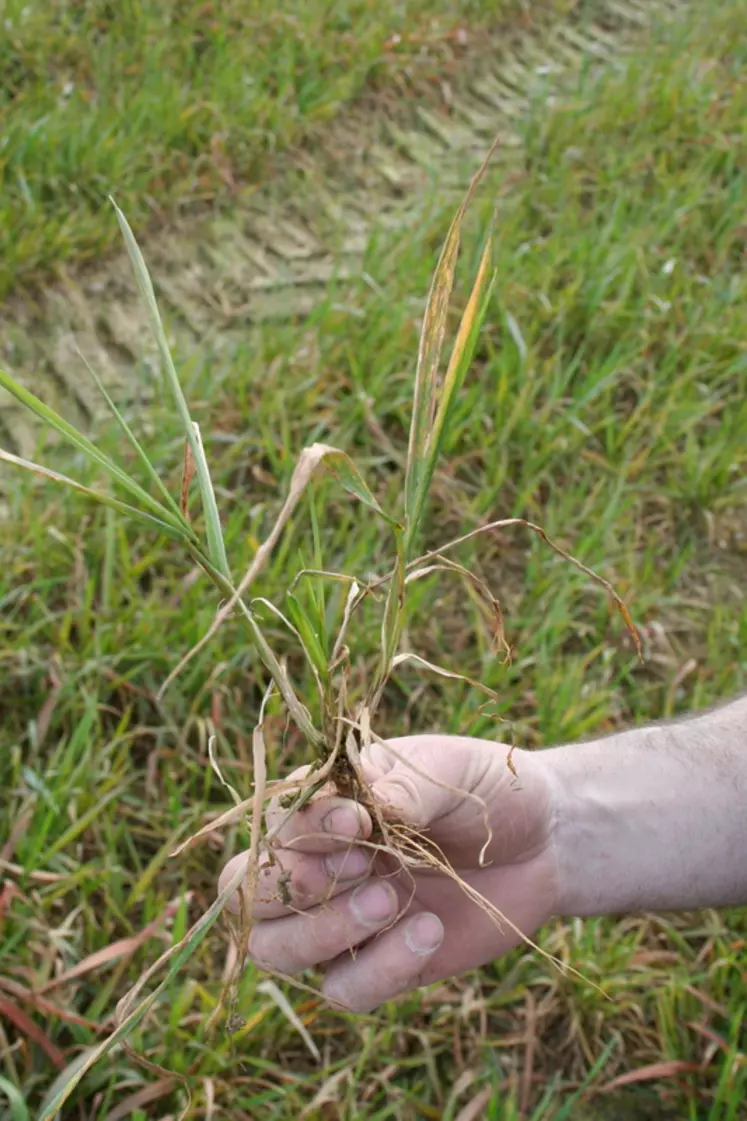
327	888
427	856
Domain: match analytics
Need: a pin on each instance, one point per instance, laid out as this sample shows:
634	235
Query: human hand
325	893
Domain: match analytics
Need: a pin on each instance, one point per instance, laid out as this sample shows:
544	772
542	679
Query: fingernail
372	903
424	933
348	865
343	820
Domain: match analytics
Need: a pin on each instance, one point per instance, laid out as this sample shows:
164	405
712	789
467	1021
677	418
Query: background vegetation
186	102
608	402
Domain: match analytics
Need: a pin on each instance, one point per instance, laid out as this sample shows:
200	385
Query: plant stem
276	670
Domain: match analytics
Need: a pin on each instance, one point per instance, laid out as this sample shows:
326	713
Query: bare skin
652	819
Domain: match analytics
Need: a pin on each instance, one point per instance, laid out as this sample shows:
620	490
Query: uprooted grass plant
343	728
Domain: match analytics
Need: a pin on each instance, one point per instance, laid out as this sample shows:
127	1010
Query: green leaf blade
309	636
18	1109
136	445
104	499
71	434
216	545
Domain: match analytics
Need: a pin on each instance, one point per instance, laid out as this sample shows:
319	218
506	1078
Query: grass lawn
184	102
608	402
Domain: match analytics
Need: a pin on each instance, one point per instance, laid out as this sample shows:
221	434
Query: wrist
654	818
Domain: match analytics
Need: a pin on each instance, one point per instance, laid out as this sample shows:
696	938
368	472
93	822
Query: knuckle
298	885
405	793
328	933
303	825
270	875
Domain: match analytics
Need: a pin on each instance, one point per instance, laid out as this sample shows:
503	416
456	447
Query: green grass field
608	402
185	103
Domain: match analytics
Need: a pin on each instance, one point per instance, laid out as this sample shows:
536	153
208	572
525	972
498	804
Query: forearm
655	818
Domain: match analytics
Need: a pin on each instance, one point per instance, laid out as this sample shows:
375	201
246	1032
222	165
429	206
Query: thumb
411	796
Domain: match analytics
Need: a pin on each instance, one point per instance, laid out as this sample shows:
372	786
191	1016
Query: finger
326	824
422	779
298	942
401	774
395	962
294	881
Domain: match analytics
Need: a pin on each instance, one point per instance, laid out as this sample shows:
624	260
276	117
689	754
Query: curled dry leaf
490	604
407	656
310	459
504	523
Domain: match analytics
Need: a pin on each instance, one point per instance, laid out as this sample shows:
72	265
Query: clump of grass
343	730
